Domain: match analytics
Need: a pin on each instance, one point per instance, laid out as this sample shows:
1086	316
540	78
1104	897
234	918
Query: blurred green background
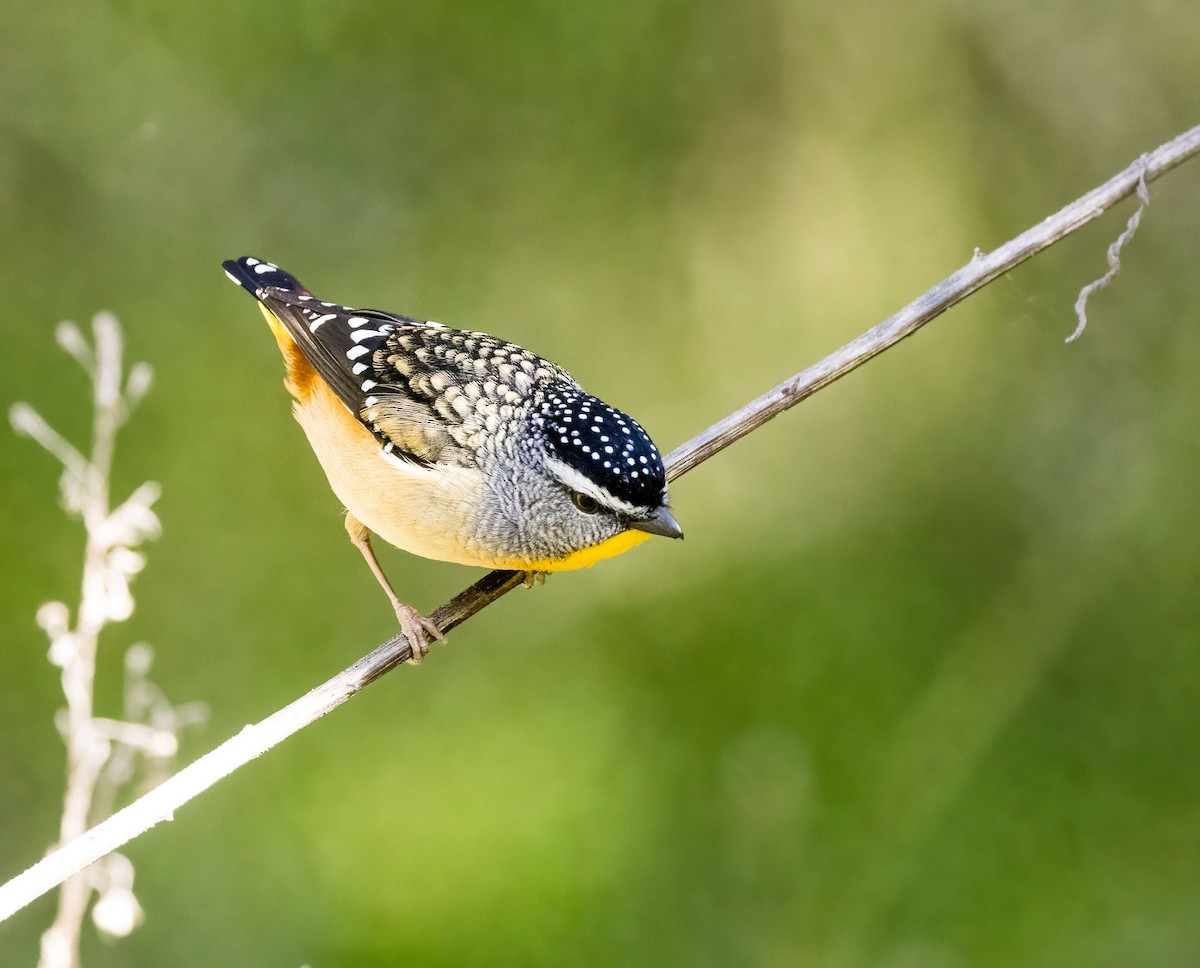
920	690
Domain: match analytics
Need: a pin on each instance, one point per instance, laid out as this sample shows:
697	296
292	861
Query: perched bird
458	446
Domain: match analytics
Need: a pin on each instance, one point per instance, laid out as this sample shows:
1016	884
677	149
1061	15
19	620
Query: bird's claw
418	630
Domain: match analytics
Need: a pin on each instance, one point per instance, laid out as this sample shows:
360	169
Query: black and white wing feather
427	392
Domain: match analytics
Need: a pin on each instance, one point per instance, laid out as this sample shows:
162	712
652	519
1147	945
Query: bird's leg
415	626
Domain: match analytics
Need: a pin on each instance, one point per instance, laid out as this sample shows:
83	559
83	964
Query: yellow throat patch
586	557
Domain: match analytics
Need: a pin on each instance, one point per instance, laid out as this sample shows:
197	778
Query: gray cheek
523	515
526	515
553	528
593	529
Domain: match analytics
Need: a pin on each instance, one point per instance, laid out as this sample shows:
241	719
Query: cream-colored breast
430	512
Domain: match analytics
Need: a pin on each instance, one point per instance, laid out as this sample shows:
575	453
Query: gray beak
661	522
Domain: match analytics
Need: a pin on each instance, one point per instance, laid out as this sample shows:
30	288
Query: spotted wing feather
460	391
428	392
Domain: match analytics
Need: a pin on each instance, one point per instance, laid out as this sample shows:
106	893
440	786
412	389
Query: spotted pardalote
457	445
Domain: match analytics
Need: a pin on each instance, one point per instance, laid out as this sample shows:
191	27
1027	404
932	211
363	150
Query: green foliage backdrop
919	689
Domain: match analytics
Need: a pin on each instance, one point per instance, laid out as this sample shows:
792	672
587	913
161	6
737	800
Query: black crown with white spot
605	445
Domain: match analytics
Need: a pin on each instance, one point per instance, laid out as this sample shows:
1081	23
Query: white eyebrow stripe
577	482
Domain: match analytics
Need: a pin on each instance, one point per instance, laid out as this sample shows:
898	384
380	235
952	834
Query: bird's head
595	484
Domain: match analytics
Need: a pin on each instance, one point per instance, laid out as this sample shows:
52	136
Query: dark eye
585	503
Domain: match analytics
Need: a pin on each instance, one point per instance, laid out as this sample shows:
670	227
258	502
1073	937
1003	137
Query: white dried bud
117	912
118	602
70	338
126	560
106	327
138	383
54	618
145	494
24	419
139	657
133	522
163	744
64	650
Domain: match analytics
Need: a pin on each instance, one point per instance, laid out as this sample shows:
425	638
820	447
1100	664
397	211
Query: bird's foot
417	629
535	578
